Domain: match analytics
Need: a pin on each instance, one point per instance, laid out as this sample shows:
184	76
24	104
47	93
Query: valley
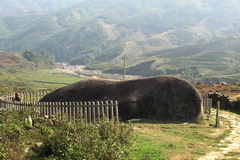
197	41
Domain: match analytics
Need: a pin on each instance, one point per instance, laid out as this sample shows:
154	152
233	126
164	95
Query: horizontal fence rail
91	112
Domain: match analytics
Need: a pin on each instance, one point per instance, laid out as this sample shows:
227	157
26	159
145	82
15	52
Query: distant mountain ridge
23	7
97	32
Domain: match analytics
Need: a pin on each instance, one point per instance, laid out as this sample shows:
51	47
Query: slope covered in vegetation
97	32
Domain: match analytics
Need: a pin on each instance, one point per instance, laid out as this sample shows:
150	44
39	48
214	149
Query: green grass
34	81
237	154
224	135
159	140
52	76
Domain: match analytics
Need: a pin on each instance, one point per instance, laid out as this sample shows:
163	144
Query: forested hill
99	31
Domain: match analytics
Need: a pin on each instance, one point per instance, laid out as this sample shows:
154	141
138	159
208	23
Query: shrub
11	135
63	139
106	140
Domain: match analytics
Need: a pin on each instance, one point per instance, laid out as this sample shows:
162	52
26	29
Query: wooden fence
207	103
27	96
90	111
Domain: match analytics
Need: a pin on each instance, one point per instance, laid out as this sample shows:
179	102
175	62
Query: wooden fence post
60	110
80	109
116	111
107	109
74	110
93	112
98	111
66	110
34	97
69	110
102	110
217	114
89	110
111	110
86	112
31	97
44	109
37	97
36	109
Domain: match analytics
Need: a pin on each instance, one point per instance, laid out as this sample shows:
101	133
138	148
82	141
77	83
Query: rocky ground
231	90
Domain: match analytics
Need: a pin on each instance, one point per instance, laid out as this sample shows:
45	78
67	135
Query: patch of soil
7	59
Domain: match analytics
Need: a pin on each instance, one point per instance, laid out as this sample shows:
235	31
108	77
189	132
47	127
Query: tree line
42	60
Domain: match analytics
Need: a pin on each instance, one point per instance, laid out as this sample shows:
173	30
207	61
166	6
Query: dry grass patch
233	91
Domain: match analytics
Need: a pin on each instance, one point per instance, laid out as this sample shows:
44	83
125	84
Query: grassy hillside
36	80
148	22
179	37
14	62
28	60
210	62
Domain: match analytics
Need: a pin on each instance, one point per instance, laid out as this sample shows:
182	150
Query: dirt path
228	148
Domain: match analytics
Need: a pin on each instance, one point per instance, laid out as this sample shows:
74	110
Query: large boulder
162	97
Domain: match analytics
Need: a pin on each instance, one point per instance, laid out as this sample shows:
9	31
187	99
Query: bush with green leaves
80	140
62	139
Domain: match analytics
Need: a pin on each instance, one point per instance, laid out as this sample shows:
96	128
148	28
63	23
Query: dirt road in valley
79	70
